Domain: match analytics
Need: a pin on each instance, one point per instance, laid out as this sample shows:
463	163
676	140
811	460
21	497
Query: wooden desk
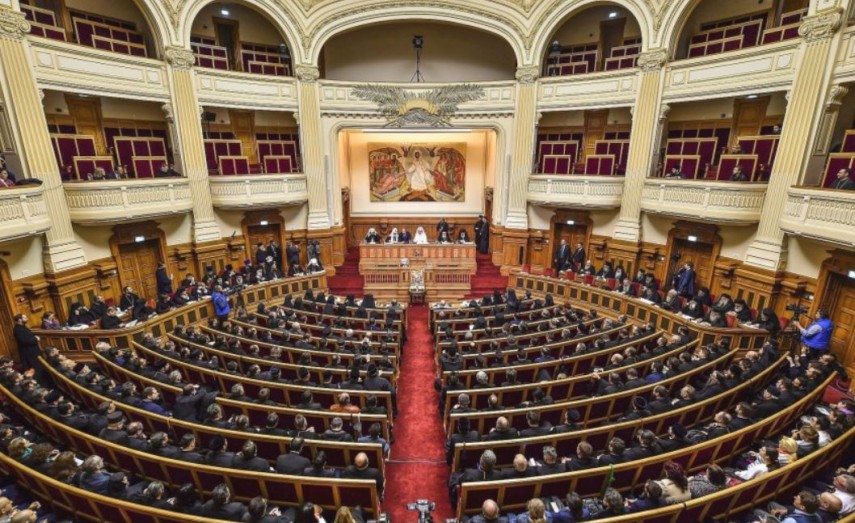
447	269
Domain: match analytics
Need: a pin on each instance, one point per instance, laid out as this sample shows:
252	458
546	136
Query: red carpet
417	469
488	277
347	279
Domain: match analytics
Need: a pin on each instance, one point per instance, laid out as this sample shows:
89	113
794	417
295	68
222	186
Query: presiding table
445	270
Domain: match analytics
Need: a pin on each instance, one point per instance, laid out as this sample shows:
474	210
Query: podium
387	269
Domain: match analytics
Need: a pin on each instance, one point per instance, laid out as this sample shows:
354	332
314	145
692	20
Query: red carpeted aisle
488	278
417	469
347	279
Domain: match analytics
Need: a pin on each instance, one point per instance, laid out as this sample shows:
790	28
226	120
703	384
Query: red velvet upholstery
84	165
688	164
557	157
765	147
577	59
556	164
67	146
600	164
263	59
278	165
214	149
102	35
704	148
43	22
146	166
728	162
837	161
848	142
618	148
128	147
210	55
727	35
277	147
230	165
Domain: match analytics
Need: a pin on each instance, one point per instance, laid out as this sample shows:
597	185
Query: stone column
309	119
822	143
645	135
27	119
522	159
804	113
188	140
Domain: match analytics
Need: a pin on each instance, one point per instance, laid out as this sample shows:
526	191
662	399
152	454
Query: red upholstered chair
611	283
848	142
589	279
731	320
550	272
836	161
636	287
526	268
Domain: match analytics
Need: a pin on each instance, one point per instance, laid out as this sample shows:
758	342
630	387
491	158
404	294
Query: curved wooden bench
279	489
576	386
480	338
467	454
592	410
316	340
351	310
460	325
339	455
282	393
513	494
317	322
488	310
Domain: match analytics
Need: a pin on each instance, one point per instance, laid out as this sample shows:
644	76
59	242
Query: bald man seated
490	513
520	469
361	469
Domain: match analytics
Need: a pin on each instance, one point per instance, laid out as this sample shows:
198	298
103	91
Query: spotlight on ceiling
224	12
613	14
751	96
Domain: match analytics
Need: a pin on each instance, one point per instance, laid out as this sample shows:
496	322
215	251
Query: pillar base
206	231
63	256
628	231
516	220
318	220
767	254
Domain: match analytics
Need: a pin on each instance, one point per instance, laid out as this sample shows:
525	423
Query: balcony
710	201
587	91
70	67
764	68
22	212
245	91
823	214
92	203
592	192
258	191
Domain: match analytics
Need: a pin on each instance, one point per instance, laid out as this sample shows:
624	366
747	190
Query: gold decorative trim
180	58
13	24
652	61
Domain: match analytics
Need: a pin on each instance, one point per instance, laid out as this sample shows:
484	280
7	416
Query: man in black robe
482	235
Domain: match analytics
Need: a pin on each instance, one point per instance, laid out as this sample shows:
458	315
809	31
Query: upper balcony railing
245	90
593	192
592	90
711	201
824	214
127	200
258	191
22	212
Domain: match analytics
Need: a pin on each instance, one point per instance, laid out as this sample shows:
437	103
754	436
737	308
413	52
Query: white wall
805	256
253	27
476	164
111	108
25	257
584	27
384	53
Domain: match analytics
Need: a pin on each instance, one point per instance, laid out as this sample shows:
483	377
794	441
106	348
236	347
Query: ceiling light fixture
224	12
613	14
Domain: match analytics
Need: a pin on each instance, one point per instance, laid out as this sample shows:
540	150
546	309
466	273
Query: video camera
425	508
797	310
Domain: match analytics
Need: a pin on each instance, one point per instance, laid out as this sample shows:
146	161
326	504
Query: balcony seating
727	35
690	165
788	29
232	165
67	147
623	56
43	22
617	147
278	488
86	165
600	164
765	147
695	458
142	155
557	157
145	166
107	34
578	59
278	151
692	154
262	59
215	148
748	163
837	161
209	54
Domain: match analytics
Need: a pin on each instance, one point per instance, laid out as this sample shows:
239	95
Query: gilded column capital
180	57
652	61
307	73
13	24
528	74
821	26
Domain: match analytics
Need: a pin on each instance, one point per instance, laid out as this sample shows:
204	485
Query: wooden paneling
138	265
86	113
748	116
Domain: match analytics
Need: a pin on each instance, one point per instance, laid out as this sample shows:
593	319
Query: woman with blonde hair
348	515
536	511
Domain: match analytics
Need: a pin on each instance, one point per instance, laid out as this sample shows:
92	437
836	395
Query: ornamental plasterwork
652	61
179	57
418	108
820	26
307	73
13	24
528	74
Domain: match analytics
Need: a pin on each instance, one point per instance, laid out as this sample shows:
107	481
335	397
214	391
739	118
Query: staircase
487	278
347	279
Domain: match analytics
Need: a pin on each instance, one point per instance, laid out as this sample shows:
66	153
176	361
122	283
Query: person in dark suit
462	435
129	299
319	469
247	459
844	180
482	234
220	506
187	404
293	463
259	512
218	454
684	280
361	470
292	252
28	346
115	431
164	281
562	256
579	256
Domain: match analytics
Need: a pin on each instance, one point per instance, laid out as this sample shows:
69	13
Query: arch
482	21
674	22
566	9
275	12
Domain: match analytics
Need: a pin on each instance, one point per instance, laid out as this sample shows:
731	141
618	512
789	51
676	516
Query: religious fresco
417	172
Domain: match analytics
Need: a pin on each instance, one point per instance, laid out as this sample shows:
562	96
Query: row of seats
254	58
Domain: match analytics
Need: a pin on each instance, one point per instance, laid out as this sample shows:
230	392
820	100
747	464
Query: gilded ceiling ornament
413	108
820	26
179	57
307	73
652	61
13	24
528	74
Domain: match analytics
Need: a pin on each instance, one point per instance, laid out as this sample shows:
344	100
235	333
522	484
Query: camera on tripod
425	508
797	310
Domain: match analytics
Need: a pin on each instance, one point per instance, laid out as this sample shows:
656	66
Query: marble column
815	170
645	135
802	119
525	137
27	119
186	114
309	119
